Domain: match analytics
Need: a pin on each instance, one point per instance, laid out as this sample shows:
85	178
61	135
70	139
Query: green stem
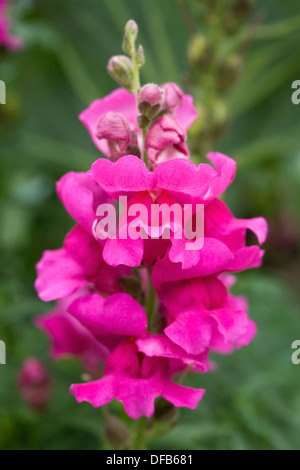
144	153
136	73
151	300
139	435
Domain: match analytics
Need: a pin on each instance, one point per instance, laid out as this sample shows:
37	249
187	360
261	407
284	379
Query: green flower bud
120	69
131	28
143	121
229	71
140	57
116	433
164	418
128	44
199	51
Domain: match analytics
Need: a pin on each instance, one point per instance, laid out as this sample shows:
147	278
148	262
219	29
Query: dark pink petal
221	224
62	272
58	275
81	196
128	252
118	315
98	393
138	396
248	336
214	258
128	175
225	169
231	324
257	225
124	360
83	248
246	258
182	396
191	331
154	345
184	180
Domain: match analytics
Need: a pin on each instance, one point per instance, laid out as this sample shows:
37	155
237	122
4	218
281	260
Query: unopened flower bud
116	433
131	28
121	70
151	94
142	121
130	36
127	44
199	51
34	383
165	411
115	129
229	71
140	56
172	96
165	141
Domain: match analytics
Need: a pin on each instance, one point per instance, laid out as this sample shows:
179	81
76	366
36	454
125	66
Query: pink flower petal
81	196
186	114
98	393
126	176
182	396
118	315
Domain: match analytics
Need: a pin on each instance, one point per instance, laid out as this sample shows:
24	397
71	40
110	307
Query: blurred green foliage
253	397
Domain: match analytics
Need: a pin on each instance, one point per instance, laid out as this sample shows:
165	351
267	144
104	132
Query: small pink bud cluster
117	122
7	40
35	383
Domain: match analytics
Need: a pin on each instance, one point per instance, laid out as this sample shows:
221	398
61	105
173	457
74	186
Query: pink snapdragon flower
136	380
7	40
103	298
209	316
131	377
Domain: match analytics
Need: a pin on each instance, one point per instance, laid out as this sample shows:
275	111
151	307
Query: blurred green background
253	397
